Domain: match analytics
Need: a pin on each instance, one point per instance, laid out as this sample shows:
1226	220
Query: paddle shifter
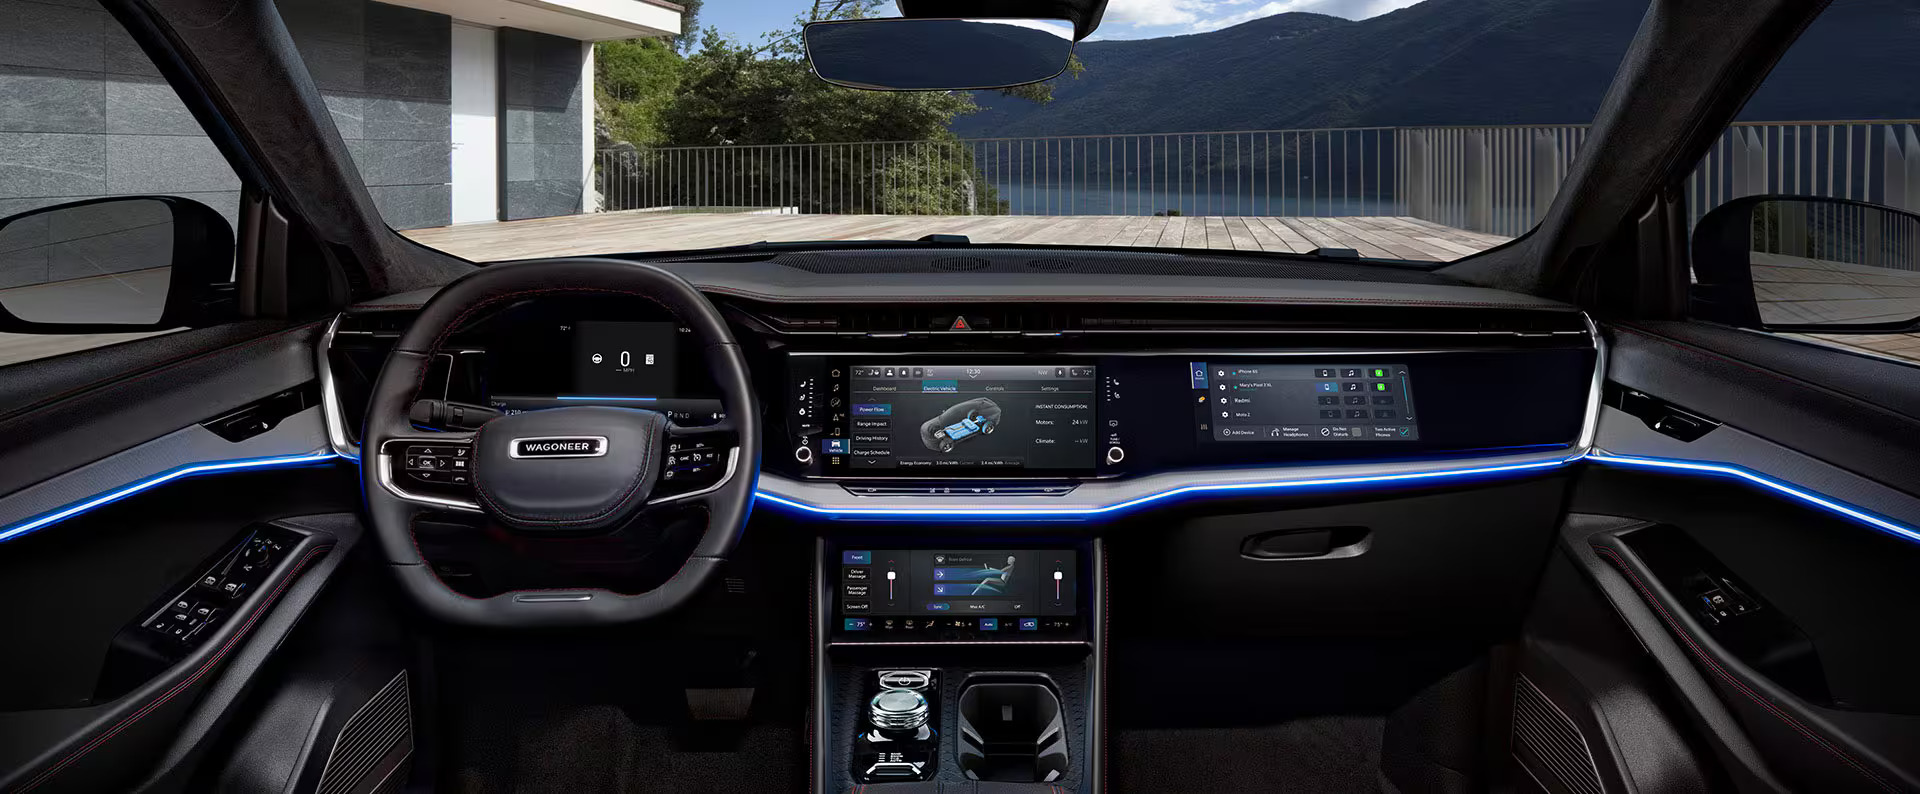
897	742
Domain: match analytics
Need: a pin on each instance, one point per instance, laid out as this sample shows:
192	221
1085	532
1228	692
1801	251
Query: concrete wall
84	113
541	106
385	73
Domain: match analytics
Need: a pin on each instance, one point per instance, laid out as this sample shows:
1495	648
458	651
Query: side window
86	120
1836	258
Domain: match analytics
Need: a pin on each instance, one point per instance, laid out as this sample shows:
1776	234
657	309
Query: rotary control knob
803	454
897	710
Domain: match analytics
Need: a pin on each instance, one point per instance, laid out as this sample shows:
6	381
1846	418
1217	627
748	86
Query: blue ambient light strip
960	513
123	492
1728	470
963	513
615	399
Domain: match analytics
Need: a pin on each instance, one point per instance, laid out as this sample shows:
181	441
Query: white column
589	197
476	124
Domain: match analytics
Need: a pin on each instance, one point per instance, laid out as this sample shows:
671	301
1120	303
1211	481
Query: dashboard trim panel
1094	499
337	437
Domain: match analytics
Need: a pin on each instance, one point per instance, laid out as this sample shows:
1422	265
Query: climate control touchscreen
1260	401
932	417
1008	590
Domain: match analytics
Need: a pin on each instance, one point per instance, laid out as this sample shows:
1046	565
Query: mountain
1437	62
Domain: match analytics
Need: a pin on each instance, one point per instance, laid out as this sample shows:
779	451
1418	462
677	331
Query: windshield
1421	131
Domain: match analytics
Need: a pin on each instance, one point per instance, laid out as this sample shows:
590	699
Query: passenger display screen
928	417
894	587
1266	401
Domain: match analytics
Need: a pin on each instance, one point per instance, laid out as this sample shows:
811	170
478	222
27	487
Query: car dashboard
1048	408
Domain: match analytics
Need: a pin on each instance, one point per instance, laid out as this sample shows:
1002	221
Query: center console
958	662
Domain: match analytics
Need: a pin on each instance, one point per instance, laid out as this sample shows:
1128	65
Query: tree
752	126
634	81
689	26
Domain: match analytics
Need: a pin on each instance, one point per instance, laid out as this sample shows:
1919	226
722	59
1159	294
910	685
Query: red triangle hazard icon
960	324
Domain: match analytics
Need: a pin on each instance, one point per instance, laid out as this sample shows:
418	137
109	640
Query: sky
750	20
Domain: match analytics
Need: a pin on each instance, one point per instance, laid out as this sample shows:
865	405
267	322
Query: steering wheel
572	470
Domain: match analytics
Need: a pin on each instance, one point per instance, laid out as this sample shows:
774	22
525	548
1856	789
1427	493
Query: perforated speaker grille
1548	745
1122	263
377	738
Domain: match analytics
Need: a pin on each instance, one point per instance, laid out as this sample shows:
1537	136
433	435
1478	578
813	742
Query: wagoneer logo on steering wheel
559	447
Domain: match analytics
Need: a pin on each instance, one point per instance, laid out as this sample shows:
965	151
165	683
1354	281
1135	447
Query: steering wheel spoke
572	470
434	471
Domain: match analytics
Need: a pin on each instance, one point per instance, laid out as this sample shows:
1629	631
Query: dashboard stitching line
292	574
1702	655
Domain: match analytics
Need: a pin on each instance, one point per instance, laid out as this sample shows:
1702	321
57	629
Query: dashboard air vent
1548	744
373	743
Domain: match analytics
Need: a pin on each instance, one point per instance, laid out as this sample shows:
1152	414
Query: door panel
104	688
1765	567
92	409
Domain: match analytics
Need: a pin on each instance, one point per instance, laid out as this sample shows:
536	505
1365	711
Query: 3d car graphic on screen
976	417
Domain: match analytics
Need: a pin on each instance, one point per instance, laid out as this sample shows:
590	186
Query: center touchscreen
932	417
953	584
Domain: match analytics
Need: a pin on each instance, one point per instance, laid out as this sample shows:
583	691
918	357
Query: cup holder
1010	729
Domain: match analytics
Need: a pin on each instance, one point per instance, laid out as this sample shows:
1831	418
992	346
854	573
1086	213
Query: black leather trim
99	748
80	408
201	733
577	493
1819	749
1856	412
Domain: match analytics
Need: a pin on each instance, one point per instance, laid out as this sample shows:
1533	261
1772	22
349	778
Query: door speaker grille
377	738
1548	744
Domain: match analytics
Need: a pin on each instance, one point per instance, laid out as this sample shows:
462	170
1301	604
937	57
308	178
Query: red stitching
183	685
1730	679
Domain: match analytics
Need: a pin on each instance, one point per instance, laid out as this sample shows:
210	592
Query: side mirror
1802	263
938	54
113	265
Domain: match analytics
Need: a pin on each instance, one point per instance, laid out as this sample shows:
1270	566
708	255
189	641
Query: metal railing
1494	179
1844	234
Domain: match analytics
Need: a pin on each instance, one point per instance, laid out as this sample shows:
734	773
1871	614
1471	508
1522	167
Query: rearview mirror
938	54
110	265
1800	263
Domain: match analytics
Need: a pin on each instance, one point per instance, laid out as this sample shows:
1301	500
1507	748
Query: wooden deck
600	233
